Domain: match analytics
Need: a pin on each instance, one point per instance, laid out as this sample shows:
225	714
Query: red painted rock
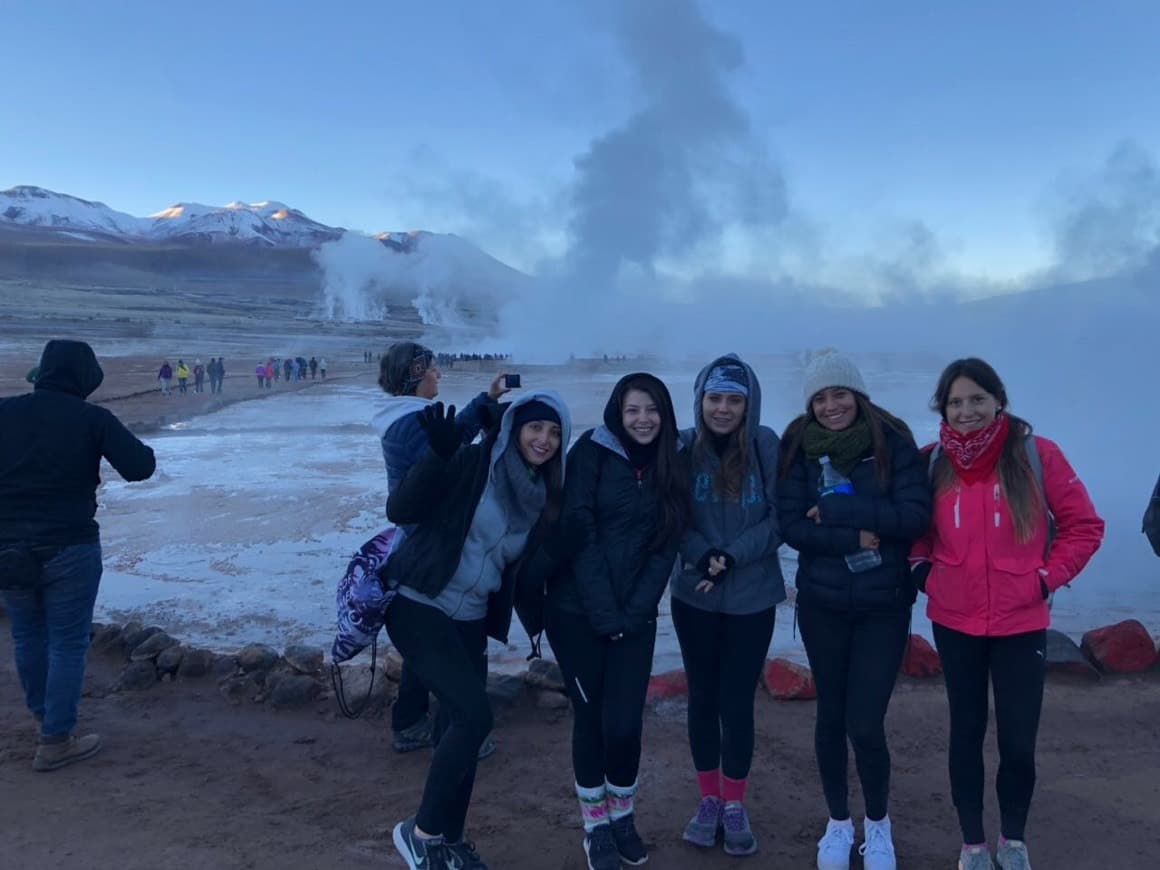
1123	648
787	681
921	659
671	684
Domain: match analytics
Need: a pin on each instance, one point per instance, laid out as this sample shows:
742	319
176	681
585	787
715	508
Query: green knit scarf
845	448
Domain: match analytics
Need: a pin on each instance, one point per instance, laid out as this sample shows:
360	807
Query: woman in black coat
853	534
627	495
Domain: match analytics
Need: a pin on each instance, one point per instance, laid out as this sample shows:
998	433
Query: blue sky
467	117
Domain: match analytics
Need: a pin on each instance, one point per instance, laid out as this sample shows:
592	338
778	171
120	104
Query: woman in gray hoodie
483	520
725	597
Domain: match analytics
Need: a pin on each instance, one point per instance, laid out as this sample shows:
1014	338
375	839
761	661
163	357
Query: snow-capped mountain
35	207
265	224
46	233
268	223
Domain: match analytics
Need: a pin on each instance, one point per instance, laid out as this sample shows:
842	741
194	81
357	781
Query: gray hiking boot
417	736
739	839
61	753
704	828
1012	855
975	858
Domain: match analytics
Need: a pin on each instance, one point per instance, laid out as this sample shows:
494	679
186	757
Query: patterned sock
620	799
733	790
593	808
709	781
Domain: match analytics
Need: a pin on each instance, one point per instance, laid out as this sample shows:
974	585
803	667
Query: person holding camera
725	598
628	494
50	550
480	517
410	376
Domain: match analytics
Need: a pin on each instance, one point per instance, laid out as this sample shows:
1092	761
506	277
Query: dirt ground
187	781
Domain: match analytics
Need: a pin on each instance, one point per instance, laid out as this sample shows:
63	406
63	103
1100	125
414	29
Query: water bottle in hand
833	482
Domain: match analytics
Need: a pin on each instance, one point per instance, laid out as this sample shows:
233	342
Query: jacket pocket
949	586
1015	583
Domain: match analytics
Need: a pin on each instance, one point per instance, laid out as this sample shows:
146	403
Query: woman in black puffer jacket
854	591
627	495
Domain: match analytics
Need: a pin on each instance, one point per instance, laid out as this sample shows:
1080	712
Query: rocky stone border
298	676
295	678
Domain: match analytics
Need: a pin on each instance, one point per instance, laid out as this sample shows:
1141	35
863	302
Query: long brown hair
1020	488
879	419
671	481
729	480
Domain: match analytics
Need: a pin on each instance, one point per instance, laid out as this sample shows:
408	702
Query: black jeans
1017	667
412	703
450	658
607	681
723	657
855	656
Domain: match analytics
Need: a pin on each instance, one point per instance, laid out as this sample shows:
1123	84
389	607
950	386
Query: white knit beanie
832	369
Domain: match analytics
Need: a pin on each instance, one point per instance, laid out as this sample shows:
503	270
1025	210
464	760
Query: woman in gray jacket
725	597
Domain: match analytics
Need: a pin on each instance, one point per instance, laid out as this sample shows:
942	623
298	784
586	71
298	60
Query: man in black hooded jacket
51	445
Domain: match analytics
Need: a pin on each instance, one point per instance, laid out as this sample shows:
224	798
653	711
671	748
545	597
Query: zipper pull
639	472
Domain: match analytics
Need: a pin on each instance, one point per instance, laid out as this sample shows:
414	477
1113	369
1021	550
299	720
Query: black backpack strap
339	693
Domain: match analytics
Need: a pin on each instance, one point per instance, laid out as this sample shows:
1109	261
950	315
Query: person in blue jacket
408	373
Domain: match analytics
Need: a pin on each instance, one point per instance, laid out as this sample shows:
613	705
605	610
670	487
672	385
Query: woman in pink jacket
1012	523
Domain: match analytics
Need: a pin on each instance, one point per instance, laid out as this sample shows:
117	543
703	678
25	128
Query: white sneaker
834	847
878	849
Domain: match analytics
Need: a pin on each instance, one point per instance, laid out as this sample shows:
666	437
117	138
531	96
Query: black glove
443	434
918	575
703	565
1043	588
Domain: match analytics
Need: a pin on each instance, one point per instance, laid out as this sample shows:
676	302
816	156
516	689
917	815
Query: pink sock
709	781
733	789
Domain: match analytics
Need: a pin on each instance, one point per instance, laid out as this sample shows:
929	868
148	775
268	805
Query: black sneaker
419	853
463	855
629	845
418	736
601	849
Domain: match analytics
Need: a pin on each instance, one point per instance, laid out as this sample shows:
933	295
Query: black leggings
450	658
723	657
1017	667
412	703
855	658
607	681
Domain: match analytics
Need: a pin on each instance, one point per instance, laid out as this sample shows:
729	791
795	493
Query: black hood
69	367
615	424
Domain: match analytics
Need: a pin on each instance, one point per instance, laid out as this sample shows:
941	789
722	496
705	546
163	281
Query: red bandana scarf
974	455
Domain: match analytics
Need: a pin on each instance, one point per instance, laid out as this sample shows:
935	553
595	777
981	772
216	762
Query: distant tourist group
267	373
499	513
215	372
292	368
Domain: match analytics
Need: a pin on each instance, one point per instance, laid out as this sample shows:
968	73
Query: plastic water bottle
833	482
